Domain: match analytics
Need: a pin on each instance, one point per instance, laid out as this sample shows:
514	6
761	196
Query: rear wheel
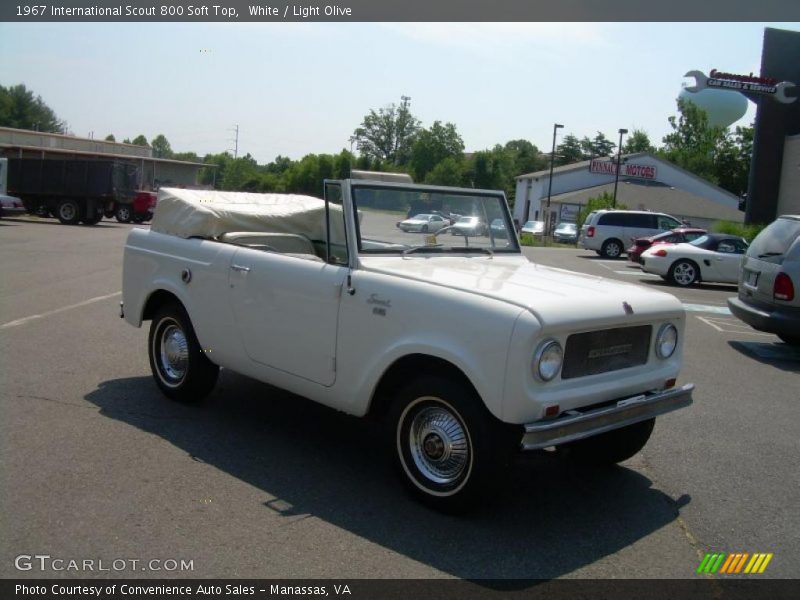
449	449
684	273
611	248
611	447
179	364
68	212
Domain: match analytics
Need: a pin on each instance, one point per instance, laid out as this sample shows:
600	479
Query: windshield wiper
472	249
435	248
766	254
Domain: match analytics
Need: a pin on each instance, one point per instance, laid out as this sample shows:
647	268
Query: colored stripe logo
735	563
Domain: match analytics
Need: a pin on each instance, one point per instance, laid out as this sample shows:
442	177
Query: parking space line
730	325
709	308
49	313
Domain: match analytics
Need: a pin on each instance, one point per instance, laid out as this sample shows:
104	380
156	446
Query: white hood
554	296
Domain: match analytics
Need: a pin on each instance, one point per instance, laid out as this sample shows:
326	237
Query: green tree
432	146
446	172
604	200
602	146
569	151
693	143
525	157
140	140
732	164
110	138
20	109
388	134
161	147
638	141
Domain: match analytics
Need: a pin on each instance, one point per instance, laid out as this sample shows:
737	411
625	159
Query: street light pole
619	159
556	127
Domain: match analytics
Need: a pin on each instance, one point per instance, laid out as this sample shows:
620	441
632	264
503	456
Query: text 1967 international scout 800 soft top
471	352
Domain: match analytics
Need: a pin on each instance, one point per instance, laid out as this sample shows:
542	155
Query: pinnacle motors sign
607	167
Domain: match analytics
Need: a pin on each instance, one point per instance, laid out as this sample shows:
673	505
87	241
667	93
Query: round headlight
547	360
666	340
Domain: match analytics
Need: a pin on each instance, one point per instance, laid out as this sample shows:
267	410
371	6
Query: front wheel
179	364
124	214
449	449
611	447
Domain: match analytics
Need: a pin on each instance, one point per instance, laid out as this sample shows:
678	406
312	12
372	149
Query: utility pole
619	160
235	141
556	127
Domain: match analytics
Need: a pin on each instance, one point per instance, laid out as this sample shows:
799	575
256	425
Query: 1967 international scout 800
469	350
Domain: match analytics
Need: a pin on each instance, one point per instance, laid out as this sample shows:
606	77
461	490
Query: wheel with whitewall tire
449	449
180	366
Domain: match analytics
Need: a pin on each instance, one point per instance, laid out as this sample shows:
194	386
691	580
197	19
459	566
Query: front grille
606	350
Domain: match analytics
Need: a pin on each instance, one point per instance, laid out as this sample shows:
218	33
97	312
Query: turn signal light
783	288
661	252
551	411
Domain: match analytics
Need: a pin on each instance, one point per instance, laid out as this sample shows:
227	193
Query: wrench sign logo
741	83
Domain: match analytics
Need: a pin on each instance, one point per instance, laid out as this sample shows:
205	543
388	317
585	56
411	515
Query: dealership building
646	182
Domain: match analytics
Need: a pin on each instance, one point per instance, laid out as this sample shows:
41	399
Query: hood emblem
628	308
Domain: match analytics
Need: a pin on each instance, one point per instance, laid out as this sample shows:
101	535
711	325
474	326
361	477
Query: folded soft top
210	213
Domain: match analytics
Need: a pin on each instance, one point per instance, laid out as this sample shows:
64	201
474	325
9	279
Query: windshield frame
355	185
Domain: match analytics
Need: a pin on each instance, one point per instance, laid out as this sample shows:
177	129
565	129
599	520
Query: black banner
33	11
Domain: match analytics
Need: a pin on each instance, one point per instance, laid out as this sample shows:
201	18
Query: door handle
240	268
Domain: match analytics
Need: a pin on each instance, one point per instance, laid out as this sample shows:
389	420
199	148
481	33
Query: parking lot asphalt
255	482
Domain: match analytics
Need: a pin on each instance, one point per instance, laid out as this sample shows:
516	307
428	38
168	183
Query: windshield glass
381	210
700	242
773	244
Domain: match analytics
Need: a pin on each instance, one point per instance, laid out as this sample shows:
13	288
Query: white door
286	311
727	261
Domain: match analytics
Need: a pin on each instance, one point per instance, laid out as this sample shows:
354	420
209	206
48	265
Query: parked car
469	226
11	205
714	257
498	228
609	232
466	351
566	233
769	298
423	223
674	236
533	228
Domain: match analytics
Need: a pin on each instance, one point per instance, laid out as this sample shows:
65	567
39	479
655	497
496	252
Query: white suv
609	232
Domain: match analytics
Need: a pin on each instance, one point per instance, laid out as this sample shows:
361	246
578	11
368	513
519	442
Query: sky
300	88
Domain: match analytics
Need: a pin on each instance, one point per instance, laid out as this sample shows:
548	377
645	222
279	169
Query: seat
285	243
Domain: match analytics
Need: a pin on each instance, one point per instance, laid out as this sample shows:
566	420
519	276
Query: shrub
747	231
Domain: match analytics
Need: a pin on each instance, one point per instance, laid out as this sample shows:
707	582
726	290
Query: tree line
391	138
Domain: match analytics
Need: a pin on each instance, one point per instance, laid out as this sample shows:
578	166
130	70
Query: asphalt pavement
96	464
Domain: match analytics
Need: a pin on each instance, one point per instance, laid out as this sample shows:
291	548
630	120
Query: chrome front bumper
576	425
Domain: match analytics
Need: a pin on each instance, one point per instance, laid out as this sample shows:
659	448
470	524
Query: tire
68	212
93	220
611	249
180	367
449	450
124	214
609	448
684	273
137	218
792	340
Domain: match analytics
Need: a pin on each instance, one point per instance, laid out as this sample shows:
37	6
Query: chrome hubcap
174	354
684	274
438	445
124	213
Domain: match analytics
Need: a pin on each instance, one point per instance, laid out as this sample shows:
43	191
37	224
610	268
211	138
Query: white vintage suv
470	351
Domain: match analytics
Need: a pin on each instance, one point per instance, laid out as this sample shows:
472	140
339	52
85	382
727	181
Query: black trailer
72	190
